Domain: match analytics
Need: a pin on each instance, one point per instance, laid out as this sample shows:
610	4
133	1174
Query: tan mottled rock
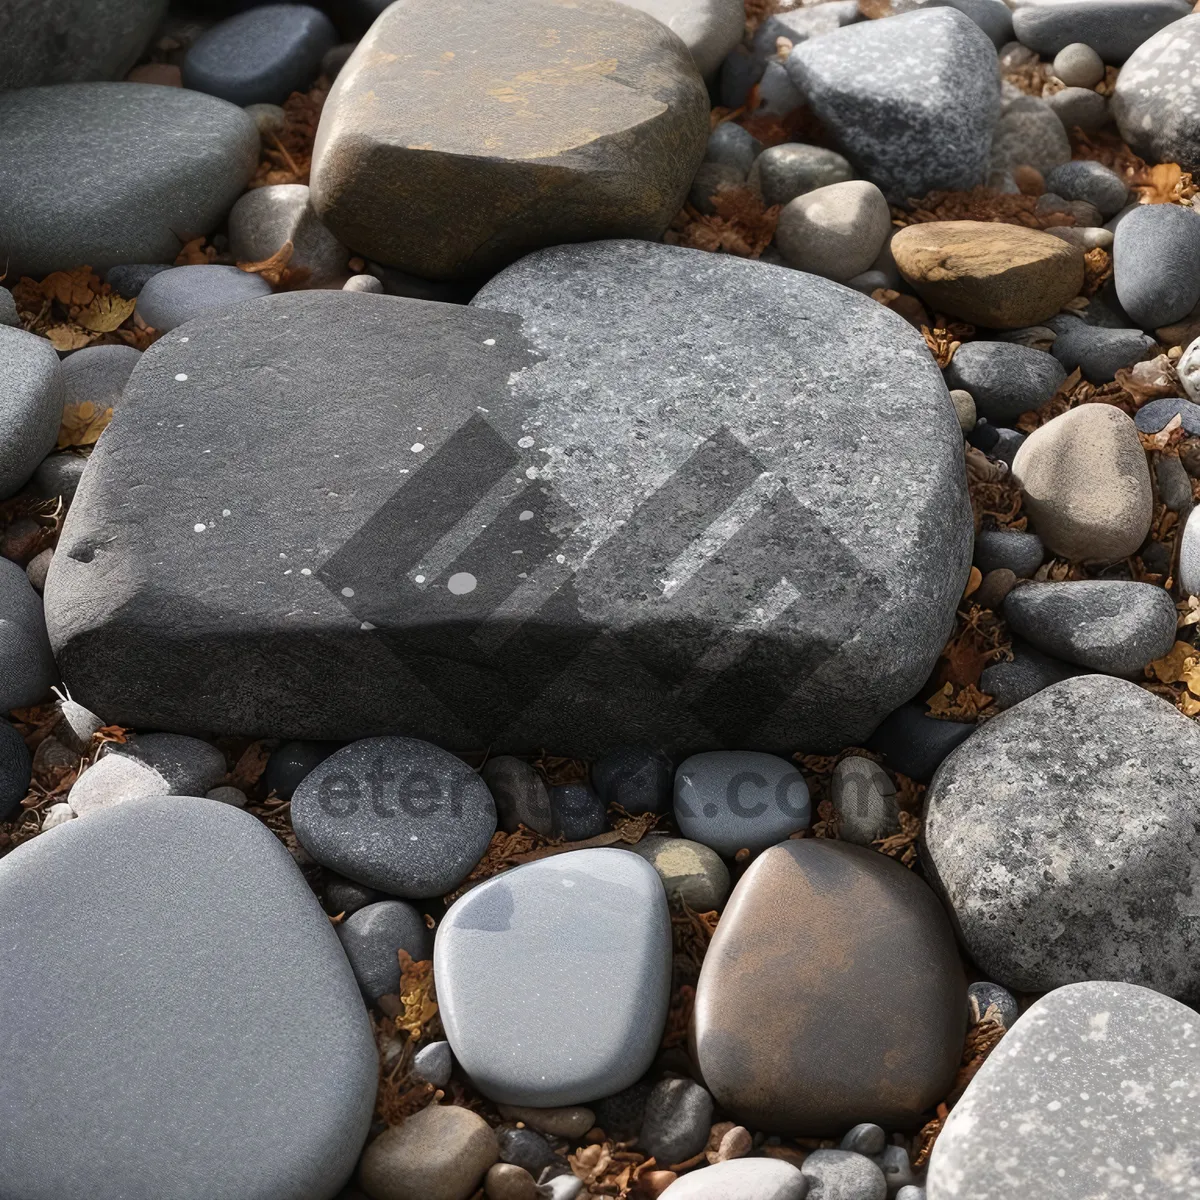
1086	483
558	1122
440	1153
506	1181
460	136
998	276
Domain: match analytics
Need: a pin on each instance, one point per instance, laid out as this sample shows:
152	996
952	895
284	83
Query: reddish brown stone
832	993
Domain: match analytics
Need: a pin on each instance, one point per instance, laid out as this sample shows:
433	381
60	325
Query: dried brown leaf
82	424
105	313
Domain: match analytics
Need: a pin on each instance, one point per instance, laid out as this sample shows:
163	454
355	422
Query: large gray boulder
910	100
73	40
1064	836
1156	102
212	992
1092	1093
1113	28
521	533
108	173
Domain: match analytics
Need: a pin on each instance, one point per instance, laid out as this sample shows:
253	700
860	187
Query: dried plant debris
979	204
73	309
741	225
287	156
994	496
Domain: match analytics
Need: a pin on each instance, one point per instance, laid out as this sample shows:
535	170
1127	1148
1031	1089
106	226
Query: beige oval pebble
1086	483
836	231
506	1181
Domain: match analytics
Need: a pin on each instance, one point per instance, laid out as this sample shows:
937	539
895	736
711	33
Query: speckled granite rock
448	174
73	40
1113	28
1064	836
180	920
1157	98
911	100
106	173
1101	1081
520	1014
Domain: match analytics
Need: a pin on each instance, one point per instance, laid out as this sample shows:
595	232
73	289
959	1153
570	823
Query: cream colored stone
836	231
1086	484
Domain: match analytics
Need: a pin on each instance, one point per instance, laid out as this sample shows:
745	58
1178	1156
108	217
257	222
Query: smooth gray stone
108	173
267	217
8	309
709	28
843	1175
1113	28
1021	553
1189	557
983	995
184	293
31	405
1155	416
733	146
730	800
396	814
1084	179
1101	1079
865	1139
372	936
577	813
689	871
1008	683
523	1020
1079	108
1156	263
1005	380
291	763
1174	483
1157	98
911	100
740	71
863	561
27	669
182	921
741	1179
1112	625
789	170
16	770
1029	133
676	1122
1097	351
128	279
344	896
433	1063
525	1148
520	795
777	91
864	801
98	374
363	283
896	1167
73	40
228	795
914	743
637	778
260	56
1093	879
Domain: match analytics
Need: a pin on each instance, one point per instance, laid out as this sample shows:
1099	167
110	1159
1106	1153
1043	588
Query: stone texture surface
528	141
1113	28
106	173
692	871
1063	836
835	965
1004	380
521	1016
1022	553
873	505
741	1179
372	935
1091	181
998	276
864	801
260	56
73	40
910	100
267	217
791	169
914	743
182	294
520	795
709	28
843	1175
1098	352
1156	263
1086	484
1156	102
16	768
1101	1079
1008	683
211	929
98	374
1112	625
31	404
397	814
1029	133
637	778
27	668
835	231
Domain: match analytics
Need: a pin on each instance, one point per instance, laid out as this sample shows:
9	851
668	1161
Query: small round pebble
964	409
334	59
843	1175
77	726
984	995
865	1139
577	812
992	589
690	871
1079	108
1084	179
433	1063
269	118
1021	552
896	1167
742	1179
637	778
733	146
781	173
228	795
291	762
910	1191
525	1148
569	1123
506	1181
864	801
1078	65
346	896
372	936
363	283
677	1120
835	231
38	568
520	795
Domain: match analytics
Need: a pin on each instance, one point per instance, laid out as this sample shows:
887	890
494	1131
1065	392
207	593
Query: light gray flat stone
740	1179
184	293
520	1015
709	28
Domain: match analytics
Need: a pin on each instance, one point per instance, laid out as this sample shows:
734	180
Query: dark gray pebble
1008	683
1156	263
1021	553
676	1122
1153	417
1085	179
915	744
1005	380
733	146
578	813
16	770
1098	352
525	1148
128	279
291	762
865	1139
371	938
637	778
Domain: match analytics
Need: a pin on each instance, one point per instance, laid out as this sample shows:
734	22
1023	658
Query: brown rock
832	993
1086	484
163	74
999	276
558	1122
440	1153
462	135
995	586
21	539
506	1181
